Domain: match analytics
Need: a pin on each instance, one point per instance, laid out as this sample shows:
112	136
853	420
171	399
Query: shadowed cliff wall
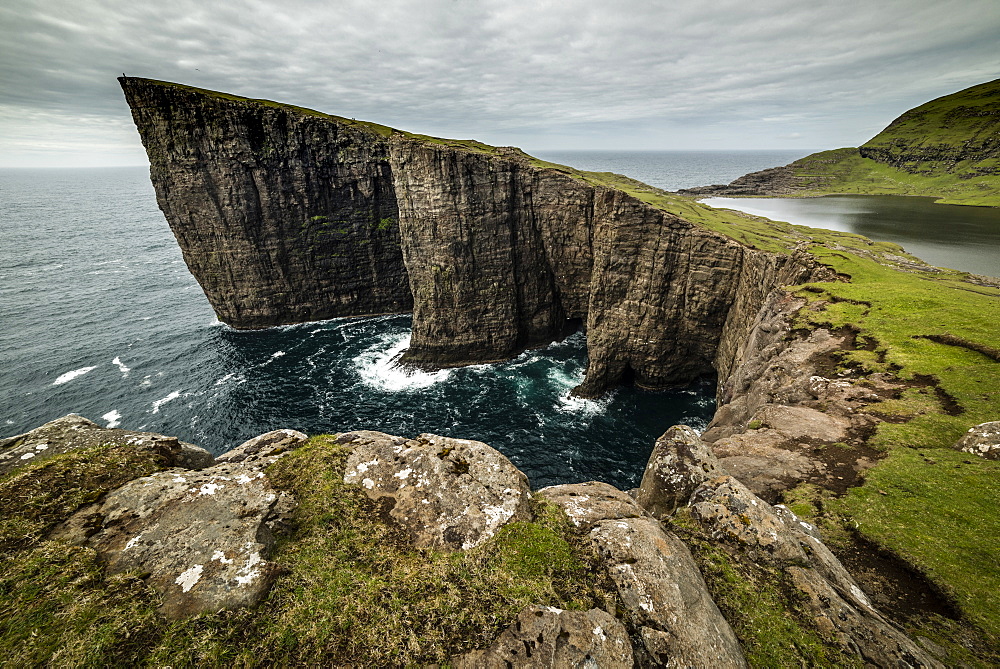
282	216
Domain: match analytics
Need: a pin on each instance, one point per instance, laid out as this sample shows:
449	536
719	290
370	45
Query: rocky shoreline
202	535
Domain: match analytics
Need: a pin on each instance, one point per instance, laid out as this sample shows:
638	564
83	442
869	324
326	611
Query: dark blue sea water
100	317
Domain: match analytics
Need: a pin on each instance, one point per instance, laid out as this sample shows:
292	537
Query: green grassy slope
963	127
948	148
846	171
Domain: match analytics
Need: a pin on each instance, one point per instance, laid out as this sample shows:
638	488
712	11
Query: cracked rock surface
201	537
840	609
663	590
445	493
544	636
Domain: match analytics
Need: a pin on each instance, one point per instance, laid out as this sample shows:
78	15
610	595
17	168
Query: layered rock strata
282	215
287	215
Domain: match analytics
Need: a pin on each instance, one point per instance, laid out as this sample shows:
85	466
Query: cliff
286	215
947	148
847	369
283	215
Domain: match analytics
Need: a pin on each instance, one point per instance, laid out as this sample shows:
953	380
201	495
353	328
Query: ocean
100	317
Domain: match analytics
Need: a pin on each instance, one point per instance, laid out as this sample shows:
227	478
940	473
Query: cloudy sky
539	74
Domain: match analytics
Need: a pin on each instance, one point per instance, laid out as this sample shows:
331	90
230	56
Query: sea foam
379	369
113	417
158	403
69	376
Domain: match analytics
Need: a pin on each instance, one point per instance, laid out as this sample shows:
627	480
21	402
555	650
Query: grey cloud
591	74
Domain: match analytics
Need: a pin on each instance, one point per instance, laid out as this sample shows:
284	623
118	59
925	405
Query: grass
937	507
846	171
937	332
353	591
903	313
946	148
951	124
56	605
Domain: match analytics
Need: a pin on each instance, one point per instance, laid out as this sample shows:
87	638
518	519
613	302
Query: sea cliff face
282	216
286	215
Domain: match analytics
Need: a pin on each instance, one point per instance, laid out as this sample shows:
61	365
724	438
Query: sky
538	74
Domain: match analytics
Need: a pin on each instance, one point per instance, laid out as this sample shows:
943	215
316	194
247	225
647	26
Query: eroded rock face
445	493
982	440
680	462
781	422
548	637
73	432
588	503
841	610
201	536
283	216
665	594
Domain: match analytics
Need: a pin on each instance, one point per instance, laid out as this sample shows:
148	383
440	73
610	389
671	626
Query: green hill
947	148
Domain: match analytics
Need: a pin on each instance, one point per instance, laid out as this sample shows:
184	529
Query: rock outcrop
758	534
74	432
445	493
679	463
781	419
286	215
205	541
730	512
663	591
201	536
982	440
544	636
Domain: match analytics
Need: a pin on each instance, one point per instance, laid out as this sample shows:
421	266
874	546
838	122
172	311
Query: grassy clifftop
957	133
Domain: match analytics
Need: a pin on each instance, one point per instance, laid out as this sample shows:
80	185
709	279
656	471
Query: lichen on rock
445	493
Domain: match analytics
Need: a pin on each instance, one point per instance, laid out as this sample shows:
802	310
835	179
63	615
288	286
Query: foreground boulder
680	462
72	432
201	536
841	611
445	493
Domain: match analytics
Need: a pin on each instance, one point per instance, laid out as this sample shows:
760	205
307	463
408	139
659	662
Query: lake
945	235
